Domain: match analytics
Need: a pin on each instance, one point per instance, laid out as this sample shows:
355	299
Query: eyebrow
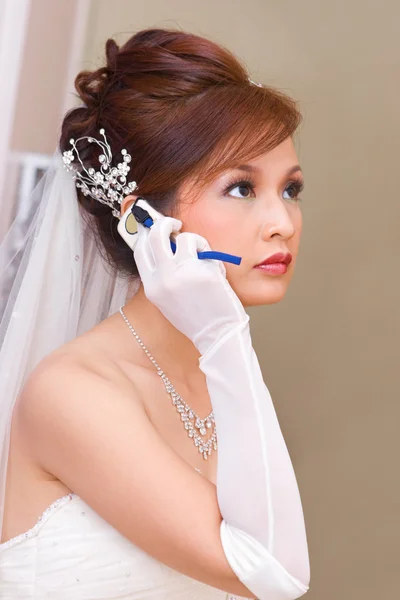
253	169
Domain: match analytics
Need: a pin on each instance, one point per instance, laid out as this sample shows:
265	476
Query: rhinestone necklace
195	426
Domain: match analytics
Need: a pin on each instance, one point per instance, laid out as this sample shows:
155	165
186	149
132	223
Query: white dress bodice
74	554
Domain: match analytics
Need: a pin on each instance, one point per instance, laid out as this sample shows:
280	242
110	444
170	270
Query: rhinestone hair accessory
108	185
255	83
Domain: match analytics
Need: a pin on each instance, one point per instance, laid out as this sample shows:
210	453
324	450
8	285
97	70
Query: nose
276	219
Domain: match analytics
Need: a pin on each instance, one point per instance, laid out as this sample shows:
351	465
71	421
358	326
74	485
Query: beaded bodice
73	554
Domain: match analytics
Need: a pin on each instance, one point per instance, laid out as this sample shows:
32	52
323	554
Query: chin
271	292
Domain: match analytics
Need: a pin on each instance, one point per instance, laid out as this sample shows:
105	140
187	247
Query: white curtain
20	25
13	27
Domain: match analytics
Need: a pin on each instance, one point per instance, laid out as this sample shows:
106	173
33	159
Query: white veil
54	286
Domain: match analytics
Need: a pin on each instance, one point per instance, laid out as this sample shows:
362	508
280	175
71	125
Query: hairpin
255	83
109	184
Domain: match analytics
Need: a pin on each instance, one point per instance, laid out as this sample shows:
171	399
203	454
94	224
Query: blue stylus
231	258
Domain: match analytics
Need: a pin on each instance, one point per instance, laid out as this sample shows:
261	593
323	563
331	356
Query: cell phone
127	226
142	212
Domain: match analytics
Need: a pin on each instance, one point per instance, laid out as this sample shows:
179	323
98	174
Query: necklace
195	426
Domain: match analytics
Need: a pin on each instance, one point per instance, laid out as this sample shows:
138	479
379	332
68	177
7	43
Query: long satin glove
262	531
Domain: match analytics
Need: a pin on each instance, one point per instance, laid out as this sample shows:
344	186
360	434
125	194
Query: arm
97	439
262	531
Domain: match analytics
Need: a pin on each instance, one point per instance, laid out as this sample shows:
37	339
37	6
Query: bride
142	456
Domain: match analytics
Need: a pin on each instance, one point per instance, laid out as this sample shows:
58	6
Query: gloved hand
194	295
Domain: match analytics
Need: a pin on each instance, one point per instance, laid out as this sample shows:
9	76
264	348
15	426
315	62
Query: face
252	212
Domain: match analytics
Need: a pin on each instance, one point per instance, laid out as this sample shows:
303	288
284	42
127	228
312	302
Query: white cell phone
128	226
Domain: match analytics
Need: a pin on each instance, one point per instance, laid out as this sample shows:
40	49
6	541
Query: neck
173	352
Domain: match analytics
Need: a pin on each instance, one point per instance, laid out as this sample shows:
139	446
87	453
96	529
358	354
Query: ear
127	202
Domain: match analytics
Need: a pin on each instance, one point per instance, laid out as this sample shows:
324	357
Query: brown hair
183	107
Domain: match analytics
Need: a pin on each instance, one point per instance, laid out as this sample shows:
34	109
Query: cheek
216	226
298	222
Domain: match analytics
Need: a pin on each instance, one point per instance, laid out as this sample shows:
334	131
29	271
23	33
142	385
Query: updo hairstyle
183	107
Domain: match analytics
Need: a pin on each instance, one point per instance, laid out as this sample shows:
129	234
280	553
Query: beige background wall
329	351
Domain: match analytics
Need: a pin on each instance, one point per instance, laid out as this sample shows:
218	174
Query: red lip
280	257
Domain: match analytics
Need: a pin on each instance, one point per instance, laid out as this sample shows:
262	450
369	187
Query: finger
188	245
159	238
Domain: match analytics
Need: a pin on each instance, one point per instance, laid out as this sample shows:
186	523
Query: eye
245	188
294	190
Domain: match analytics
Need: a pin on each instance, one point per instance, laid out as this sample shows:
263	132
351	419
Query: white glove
193	294
262	531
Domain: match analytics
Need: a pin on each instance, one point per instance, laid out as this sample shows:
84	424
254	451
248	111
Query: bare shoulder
88	358
79	378
88	427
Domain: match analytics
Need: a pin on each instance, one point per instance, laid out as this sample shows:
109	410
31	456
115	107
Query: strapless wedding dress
74	554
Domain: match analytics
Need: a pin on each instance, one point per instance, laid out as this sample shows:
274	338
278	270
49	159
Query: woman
133	501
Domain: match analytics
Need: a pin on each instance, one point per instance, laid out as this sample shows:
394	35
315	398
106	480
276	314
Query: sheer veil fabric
54	285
